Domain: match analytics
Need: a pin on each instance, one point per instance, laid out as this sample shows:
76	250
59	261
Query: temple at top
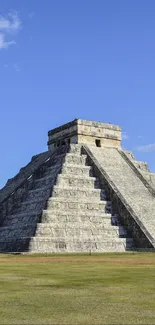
85	132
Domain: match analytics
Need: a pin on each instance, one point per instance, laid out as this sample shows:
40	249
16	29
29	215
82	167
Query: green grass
78	289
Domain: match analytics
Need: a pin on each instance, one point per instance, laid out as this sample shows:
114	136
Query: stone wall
107	134
64	134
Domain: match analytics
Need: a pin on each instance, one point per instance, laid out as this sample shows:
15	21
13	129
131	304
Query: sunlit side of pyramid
85	194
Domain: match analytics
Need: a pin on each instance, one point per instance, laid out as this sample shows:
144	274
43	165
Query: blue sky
64	59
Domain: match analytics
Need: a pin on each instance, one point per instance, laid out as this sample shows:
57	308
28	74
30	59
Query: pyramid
85	194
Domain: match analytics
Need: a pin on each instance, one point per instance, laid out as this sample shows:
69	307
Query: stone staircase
78	216
69	215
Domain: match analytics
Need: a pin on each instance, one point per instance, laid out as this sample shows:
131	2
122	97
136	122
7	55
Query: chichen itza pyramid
85	194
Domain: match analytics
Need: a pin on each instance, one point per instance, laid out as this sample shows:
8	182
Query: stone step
74	213
41	192
63	230
14	246
44	181
19	218
74	204
47	245
22	216
71	240
69	157
53	170
77	170
76	218
58	216
79	232
79	222
79	193
68	225
58	159
60	234
80	225
16	232
29	205
65	180
75	159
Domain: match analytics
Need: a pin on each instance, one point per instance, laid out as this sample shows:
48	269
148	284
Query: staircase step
78	224
9	232
73	213
56	216
68	225
44	181
77	170
39	193
86	231
21	218
62	203
65	180
79	193
29	205
53	170
75	159
47	245
61	234
67	228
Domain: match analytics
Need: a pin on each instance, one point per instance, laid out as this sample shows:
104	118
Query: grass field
101	289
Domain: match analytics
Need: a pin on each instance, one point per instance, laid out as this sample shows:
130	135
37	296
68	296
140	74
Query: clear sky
66	59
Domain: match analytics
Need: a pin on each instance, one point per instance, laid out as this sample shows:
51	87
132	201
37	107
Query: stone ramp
137	196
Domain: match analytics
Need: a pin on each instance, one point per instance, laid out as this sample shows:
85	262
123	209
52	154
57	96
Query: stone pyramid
85	194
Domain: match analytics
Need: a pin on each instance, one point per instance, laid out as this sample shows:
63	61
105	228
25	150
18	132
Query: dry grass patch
77	289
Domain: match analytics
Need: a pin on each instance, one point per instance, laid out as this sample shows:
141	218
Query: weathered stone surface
82	131
70	215
24	173
47	245
137	195
84	195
